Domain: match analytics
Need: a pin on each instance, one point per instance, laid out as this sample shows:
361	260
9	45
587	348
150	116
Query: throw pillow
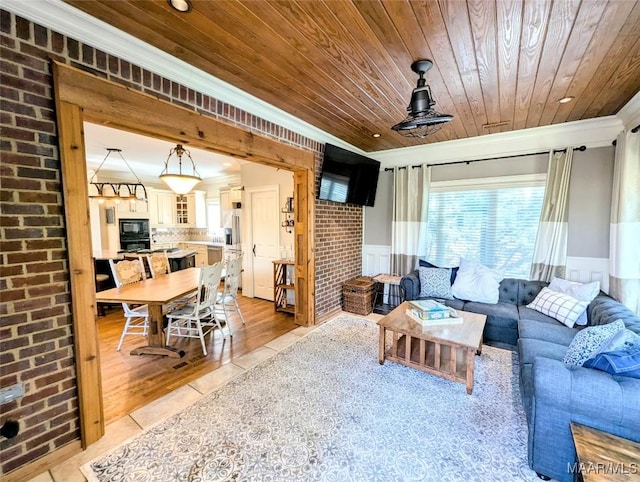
564	308
624	362
426	264
582	292
588	341
476	282
435	283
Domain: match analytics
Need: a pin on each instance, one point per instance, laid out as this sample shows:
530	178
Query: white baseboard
585	270
376	259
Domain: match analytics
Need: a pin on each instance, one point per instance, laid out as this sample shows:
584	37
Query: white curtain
550	251
409	225
624	243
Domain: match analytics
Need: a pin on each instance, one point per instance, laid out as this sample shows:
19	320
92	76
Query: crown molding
630	113
596	132
67	20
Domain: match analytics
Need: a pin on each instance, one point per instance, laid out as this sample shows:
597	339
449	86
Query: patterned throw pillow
564	308
580	291
435	283
588	341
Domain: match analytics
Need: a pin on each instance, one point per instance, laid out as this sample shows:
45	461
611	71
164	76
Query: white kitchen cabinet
132	207
161	209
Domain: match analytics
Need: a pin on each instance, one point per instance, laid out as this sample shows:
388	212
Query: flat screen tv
348	177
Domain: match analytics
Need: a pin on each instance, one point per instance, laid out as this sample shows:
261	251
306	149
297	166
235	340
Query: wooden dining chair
158	263
197	319
137	318
228	299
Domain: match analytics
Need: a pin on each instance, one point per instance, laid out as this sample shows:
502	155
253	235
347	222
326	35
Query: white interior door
264	238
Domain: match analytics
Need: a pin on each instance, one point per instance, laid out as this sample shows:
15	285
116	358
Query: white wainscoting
585	270
376	259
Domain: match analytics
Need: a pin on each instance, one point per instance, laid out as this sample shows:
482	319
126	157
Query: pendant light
116	191
180	183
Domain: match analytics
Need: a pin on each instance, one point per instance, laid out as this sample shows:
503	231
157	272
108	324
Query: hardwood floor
130	382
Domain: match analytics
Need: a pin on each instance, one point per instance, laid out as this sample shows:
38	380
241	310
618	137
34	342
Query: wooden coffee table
444	350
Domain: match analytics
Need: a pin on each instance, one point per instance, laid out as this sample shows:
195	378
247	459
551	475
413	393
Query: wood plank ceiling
344	66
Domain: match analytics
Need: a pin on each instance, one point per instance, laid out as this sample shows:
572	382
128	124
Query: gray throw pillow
587	342
435	283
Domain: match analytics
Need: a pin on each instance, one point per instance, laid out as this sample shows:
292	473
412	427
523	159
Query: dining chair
137	318
198	318
158	264
228	299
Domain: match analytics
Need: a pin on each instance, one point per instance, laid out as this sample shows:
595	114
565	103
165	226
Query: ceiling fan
422	120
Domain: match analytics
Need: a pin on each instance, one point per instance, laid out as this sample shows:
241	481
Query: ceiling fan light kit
178	182
116	191
423	119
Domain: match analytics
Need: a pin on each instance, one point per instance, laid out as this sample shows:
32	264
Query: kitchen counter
181	253
105	254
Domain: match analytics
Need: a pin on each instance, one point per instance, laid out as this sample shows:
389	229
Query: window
213	215
494	222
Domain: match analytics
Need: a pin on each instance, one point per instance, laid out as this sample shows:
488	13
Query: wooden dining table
155	292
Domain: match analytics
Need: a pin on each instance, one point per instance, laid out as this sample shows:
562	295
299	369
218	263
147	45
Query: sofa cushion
588	341
435	283
604	309
562	307
426	264
529	290
508	290
530	314
503	311
530	348
476	282
455	304
541	330
580	291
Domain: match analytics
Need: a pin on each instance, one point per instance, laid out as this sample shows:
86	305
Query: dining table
155	292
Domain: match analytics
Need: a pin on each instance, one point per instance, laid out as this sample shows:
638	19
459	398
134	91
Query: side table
394	292
604	457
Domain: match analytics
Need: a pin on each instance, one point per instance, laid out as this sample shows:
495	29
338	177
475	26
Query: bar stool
102	281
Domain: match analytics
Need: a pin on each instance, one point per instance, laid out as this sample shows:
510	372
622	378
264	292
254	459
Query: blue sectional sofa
553	394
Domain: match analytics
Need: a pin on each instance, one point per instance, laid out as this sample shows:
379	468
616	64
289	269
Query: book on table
453	319
430	309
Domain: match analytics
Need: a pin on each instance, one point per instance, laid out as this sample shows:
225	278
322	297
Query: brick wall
36	339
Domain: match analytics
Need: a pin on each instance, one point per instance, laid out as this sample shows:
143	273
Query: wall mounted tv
348	177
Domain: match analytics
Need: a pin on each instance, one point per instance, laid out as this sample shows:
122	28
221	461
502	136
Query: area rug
325	409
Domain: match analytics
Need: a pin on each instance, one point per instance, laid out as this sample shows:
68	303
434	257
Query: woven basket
358	294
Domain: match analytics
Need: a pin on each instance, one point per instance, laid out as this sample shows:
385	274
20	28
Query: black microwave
134	228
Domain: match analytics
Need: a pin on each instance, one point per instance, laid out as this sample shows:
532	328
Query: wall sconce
116	191
180	183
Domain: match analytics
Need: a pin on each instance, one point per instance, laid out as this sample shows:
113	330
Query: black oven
134	228
134	235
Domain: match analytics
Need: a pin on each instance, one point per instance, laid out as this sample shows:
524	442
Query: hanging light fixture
180	183
422	120
116	191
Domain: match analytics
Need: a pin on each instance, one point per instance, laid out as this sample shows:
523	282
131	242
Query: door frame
81	96
248	227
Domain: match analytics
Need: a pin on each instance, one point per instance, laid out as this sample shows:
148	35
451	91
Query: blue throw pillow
434	283
425	264
624	362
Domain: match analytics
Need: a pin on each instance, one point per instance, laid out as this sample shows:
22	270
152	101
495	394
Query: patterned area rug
325	409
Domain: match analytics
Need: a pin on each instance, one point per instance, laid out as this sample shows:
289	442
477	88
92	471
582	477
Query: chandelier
180	183
422	120
116	191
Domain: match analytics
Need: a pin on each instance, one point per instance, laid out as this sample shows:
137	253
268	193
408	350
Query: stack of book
431	312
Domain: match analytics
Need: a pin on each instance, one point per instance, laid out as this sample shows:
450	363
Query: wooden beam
81	269
304	189
117	106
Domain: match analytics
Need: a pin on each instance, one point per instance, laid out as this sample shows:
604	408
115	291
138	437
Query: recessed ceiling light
180	5
376	135
564	100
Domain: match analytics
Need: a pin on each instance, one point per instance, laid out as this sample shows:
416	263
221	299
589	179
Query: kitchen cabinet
161	209
167	209
132	207
205	253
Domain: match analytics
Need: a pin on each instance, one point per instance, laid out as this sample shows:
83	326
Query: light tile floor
155	412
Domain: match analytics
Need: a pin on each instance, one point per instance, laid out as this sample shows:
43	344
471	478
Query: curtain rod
581	148
633	131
